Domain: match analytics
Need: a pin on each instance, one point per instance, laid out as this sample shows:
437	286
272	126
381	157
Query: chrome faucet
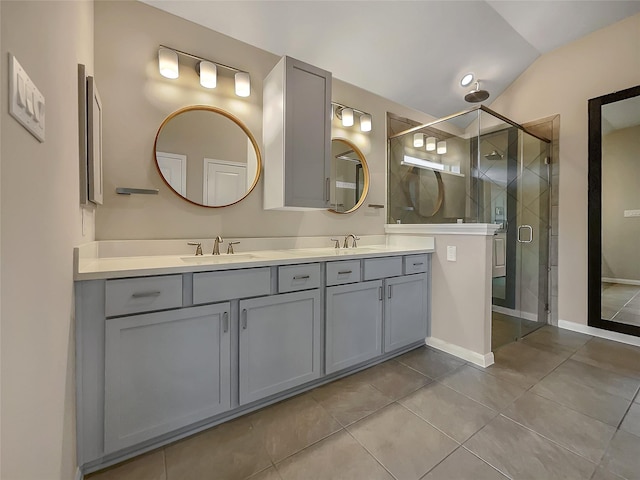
216	245
230	247
346	241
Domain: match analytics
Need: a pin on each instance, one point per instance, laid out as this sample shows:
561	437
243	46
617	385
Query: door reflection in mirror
349	176
207	156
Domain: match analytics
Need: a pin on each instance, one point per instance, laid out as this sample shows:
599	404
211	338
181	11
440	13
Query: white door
173	167
224	182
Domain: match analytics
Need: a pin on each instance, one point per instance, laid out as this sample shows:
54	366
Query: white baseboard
599	332
461	352
79	475
623	281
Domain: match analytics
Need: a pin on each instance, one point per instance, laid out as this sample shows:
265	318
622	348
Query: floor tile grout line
482	459
371	454
440	462
164	461
555	442
431	424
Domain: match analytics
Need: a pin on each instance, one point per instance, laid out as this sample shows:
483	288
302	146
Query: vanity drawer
211	287
145	294
346	271
292	278
415	263
375	268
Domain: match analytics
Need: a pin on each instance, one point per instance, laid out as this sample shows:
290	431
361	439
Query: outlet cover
451	253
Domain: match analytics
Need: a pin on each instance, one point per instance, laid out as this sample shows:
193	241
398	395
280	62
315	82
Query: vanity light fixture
208	74
431	144
418	140
206	69
347	115
168	63
365	123
442	148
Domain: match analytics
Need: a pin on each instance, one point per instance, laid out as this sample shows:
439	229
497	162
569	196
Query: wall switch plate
26	103
631	213
451	253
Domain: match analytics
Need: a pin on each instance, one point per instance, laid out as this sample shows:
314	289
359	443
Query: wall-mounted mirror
207	156
614	211
349	176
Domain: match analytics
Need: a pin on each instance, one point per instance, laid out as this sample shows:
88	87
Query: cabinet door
406	311
279	343
164	371
354	324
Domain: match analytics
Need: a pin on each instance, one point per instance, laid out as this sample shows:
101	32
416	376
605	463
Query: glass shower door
532	233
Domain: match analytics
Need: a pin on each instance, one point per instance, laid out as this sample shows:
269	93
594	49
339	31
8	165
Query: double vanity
168	345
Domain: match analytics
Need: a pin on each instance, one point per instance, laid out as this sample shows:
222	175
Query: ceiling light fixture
347	115
442	148
206	69
418	140
431	144
466	80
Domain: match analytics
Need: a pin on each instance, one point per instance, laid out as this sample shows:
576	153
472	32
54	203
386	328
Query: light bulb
347	117
168	63
431	144
418	140
208	74
442	147
365	122
243	84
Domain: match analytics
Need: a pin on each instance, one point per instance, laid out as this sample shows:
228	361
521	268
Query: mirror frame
231	117
595	213
365	172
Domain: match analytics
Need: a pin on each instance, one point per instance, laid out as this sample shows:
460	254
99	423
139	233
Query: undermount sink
343	251
222	258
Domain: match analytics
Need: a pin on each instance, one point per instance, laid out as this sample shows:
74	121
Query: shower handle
528	227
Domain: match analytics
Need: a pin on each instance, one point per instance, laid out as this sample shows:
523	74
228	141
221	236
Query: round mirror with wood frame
349	176
207	156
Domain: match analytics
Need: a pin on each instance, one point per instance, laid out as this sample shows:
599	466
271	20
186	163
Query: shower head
493	156
476	95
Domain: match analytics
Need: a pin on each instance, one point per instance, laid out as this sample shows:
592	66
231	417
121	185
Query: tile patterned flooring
621	303
557	405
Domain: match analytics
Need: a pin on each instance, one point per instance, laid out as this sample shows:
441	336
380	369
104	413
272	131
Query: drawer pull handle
225	322
146	294
345	272
418	264
244	318
302	277
380	293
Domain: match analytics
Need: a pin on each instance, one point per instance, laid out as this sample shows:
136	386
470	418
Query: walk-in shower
478	166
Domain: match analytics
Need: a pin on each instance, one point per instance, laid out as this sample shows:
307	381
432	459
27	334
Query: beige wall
620	192
461	292
136	99
41	222
561	82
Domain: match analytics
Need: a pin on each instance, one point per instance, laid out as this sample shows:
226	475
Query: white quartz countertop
93	268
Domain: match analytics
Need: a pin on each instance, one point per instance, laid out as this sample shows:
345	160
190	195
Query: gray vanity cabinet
296	136
164	371
353	324
406	310
279	343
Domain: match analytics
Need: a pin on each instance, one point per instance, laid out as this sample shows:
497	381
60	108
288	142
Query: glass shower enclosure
480	167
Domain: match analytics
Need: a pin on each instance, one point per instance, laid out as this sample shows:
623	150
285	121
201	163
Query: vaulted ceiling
412	52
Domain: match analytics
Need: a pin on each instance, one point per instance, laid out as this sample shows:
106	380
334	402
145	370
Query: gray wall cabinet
353	324
164	371
296	136
153	366
279	343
